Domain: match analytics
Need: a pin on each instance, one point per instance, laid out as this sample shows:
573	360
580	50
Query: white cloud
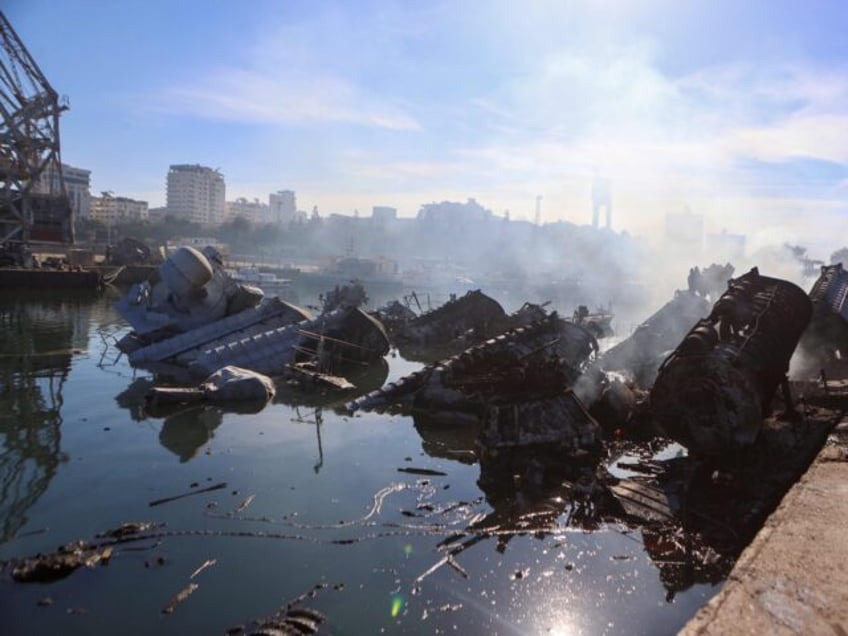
551	104
822	137
252	96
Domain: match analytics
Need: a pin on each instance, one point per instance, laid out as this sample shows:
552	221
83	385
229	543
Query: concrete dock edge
793	577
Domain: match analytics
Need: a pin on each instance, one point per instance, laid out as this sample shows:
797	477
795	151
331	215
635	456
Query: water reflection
316	418
132	398
448	437
39	335
365	378
184	433
187	428
540	495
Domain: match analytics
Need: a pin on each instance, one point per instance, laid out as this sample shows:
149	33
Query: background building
157	215
196	193
253	211
383	214
452	214
283	207
601	198
111	209
77	185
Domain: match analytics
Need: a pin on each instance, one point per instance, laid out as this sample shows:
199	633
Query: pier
792	578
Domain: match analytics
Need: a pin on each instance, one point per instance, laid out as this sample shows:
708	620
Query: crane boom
34	204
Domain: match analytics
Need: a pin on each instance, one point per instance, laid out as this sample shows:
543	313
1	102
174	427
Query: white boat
266	281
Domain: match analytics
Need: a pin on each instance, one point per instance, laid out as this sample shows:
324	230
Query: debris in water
157	502
422	471
206	564
181	596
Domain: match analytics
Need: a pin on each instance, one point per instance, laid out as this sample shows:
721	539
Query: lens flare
397	605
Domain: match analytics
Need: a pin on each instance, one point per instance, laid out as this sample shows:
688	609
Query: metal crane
34	203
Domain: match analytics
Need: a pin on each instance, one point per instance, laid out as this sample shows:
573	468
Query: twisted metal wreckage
826	340
193	319
712	393
523	394
460	323
529	391
529	379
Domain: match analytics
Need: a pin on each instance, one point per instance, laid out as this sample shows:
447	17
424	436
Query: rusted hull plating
533	438
641	354
828	331
712	392
474	311
561	420
544	357
831	290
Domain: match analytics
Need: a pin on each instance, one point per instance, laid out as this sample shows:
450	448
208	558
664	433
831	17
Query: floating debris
422	471
159	502
180	598
206	564
227	384
45	568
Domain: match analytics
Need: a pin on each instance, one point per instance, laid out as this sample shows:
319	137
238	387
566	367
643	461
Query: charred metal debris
535	400
825	343
712	393
485	366
543	404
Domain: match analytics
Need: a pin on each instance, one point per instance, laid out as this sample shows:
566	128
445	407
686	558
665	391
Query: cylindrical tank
186	270
712	393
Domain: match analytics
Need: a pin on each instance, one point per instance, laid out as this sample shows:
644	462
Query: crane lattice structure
34	204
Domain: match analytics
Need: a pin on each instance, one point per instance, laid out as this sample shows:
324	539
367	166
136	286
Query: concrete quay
49	279
793	577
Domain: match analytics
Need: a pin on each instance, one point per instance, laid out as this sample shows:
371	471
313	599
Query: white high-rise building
283	207
196	193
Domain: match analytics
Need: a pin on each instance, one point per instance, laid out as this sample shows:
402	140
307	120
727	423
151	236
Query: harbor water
376	521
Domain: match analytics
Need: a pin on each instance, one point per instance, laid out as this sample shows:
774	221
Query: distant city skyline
736	111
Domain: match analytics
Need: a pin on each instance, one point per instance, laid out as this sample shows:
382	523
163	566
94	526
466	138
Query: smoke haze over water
735	111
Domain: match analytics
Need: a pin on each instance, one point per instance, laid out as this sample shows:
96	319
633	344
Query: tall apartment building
196	193
77	185
110	209
283	207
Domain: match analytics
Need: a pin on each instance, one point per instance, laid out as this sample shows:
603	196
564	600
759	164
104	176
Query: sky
737	111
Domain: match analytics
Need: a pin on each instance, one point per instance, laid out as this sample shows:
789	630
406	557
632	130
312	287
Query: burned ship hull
446	330
712	393
196	319
545	436
542	358
641	354
342	336
826	339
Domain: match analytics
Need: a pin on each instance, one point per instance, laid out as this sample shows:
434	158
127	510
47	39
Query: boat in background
371	272
268	282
